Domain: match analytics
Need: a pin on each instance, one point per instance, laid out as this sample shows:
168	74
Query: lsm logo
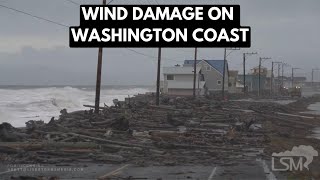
295	160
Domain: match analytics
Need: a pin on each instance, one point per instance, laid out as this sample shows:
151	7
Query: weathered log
88	133
90	106
8	150
37	146
169	108
62	153
109	157
295	115
109	121
106	141
137	149
98	130
287	120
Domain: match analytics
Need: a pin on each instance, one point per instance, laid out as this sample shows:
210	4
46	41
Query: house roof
190	62
217	64
179	70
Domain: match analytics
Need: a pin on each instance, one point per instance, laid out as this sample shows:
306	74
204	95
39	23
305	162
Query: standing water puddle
315	133
315	109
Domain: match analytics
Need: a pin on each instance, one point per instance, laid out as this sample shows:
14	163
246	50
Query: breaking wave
20	105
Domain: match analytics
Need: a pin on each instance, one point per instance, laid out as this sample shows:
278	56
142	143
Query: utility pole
195	72
271	82
312	81
158	77
98	82
244	73
312	78
224	69
272	76
292	76
260	62
259	76
244	69
282	83
282	78
278	84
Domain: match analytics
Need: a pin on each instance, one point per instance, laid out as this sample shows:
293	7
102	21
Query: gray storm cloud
284	30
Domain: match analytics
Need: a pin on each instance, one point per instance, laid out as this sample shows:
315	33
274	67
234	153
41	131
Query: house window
170	77
219	82
201	77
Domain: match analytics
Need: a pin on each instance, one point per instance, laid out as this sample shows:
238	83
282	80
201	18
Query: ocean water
21	104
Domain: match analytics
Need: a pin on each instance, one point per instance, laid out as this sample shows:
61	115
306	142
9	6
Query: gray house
212	71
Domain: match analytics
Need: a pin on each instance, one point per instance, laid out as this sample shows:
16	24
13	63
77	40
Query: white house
179	80
212	71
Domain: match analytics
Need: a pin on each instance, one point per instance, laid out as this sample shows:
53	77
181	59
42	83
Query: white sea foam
20	105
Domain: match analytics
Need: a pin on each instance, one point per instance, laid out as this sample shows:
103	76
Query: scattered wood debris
181	131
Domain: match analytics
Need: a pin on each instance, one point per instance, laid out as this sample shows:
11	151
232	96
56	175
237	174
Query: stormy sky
35	52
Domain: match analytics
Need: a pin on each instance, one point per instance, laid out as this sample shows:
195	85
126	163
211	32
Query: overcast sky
35	52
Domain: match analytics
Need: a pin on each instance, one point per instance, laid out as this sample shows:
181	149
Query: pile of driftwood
179	131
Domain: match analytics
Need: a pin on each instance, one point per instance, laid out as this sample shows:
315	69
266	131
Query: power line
63	25
150	56
34	16
110	2
137	52
73	2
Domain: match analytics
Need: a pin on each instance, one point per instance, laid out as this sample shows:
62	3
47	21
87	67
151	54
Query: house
267	85
233	85
212	71
263	71
179	80
252	82
239	86
252	79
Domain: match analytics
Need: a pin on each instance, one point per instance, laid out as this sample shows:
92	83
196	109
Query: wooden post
244	73
244	69
259	90
195	72
282	74
158	77
312	78
271	82
292	81
278	85
224	71
98	83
